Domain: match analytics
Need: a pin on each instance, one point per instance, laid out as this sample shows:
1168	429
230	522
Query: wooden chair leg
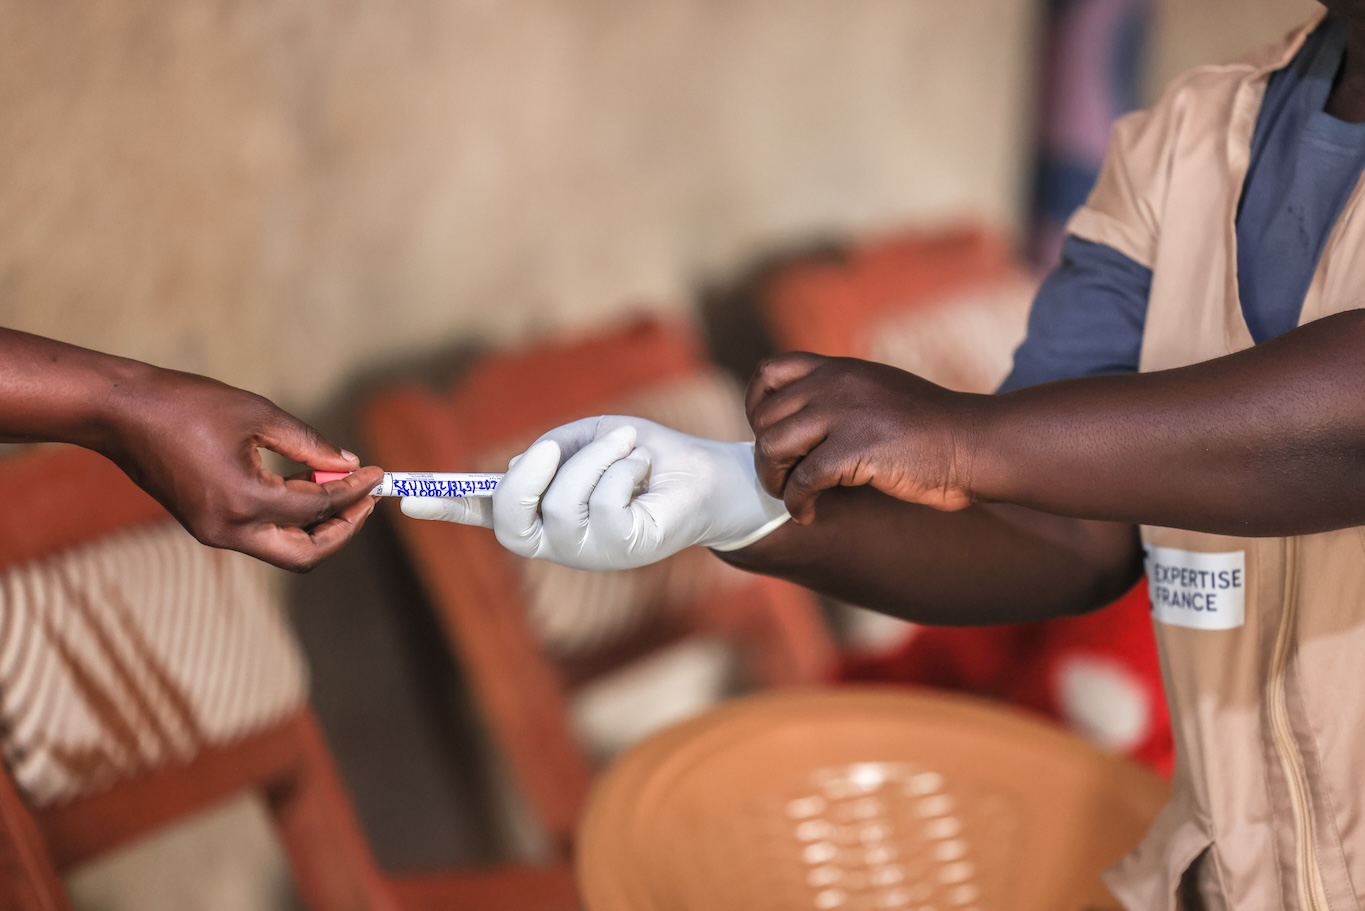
28	879
332	864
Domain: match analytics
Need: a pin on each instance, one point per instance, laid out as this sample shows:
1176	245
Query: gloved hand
619	492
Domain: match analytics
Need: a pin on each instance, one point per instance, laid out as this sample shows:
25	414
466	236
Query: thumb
460	510
516	501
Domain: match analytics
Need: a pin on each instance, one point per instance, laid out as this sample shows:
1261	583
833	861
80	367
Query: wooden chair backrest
59	501
477	588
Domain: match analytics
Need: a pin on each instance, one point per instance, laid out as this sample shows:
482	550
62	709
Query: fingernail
350	456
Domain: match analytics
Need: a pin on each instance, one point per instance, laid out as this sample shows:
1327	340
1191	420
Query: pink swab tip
322	477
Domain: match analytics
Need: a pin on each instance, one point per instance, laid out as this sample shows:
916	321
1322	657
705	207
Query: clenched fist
822	422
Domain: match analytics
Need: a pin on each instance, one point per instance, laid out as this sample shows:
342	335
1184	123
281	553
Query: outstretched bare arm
189	441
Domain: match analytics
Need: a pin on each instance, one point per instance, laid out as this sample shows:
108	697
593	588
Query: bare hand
193	443
822	422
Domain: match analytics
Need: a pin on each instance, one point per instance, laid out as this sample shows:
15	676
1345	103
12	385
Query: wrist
754	513
51	391
988	470
117	397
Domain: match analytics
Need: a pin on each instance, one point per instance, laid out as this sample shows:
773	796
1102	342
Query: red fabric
1028	665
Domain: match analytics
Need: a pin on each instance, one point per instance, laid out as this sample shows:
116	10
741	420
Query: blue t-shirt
1088	317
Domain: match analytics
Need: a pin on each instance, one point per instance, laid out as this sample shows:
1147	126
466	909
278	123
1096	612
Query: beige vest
1269	714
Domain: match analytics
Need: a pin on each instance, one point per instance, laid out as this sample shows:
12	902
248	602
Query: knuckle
507	538
213	534
515	540
299	564
259	402
767	448
296	557
323	509
773	363
261	409
558	510
238	510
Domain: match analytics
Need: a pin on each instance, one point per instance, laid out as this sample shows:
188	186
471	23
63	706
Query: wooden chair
144	677
527	633
849	799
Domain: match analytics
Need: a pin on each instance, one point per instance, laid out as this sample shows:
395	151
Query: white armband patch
1196	590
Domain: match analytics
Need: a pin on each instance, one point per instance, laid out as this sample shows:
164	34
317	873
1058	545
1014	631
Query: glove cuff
755	536
770	512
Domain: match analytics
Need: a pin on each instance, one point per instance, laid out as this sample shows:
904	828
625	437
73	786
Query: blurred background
316	201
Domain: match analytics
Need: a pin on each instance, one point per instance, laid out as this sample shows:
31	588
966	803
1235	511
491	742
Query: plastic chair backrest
861	799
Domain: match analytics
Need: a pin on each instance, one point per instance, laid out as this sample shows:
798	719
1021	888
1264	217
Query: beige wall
1191	32
282	193
279	193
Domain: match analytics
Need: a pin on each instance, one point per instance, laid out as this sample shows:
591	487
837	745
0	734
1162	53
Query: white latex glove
619	492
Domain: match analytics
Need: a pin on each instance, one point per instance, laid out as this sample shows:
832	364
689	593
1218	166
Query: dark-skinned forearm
191	442
52	391
986	564
1266	442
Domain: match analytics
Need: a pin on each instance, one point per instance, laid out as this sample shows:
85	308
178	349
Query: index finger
780	448
293	439
776	372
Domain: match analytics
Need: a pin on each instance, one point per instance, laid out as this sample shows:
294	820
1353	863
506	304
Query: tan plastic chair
851	799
